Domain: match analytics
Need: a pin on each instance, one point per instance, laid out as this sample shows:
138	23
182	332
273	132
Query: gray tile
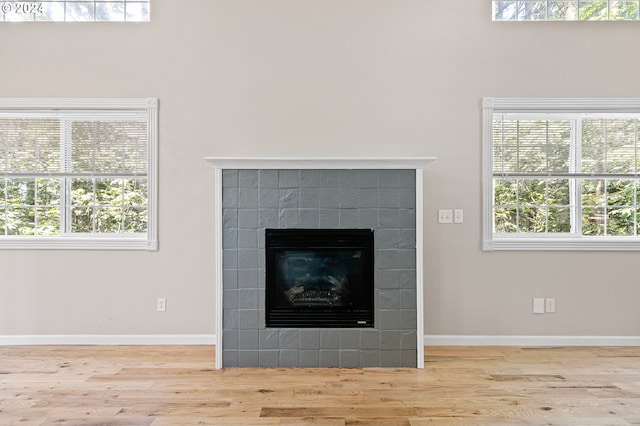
409	359
289	358
230	319
230	339
269	198
289	178
389	299
229	259
370	358
247	258
229	218
389	178
390	359
268	218
230	238
329	358
289	198
389	279
407	238
407	179
247	218
368	218
310	218
368	198
329	179
370	339
408	298
348	198
248	359
269	358
350	339
407	258
289	218
330	338
389	198
350	359
389	218
349	178
229	178
269	338
247	299
389	339
247	198
408	340
229	197
310	178
309	358
230	299
329	218
229	358
248	320
389	319
387	238
248	278
407	198
348	218
230	278
310	198
248	238
407	218
408	319
248	339
247	178
309	338
289	339
268	178
368	179
329	198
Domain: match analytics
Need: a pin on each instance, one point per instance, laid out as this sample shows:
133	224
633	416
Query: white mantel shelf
320	162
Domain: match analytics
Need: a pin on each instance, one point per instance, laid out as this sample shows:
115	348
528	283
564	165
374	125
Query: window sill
564	244
78	243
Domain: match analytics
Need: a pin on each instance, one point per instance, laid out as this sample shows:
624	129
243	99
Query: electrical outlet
445	216
162	304
550	305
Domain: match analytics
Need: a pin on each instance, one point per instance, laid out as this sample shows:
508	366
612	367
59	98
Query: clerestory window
78	173
561	173
566	10
75	11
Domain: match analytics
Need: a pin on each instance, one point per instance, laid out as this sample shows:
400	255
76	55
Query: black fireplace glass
319	278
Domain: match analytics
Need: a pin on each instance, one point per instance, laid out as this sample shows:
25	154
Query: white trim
467	340
217	262
319	163
419	266
99	339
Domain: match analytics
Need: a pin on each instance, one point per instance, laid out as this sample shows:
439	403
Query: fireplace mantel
325	163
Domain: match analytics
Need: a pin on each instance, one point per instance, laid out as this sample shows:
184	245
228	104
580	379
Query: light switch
458	216
538	305
445	216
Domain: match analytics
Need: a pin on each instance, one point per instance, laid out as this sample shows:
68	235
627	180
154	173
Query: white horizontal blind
75	11
565	10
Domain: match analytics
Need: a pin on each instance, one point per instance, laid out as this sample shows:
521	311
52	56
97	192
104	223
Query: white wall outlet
458	216
538	305
550	305
445	216
162	304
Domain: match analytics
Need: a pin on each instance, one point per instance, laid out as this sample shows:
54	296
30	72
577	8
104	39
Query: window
561	174
566	10
78	173
75	10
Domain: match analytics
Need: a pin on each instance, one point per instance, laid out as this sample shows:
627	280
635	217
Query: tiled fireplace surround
380	194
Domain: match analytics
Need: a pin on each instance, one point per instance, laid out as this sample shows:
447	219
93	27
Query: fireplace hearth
319	278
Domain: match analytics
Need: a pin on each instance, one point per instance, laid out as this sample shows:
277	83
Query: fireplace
319	278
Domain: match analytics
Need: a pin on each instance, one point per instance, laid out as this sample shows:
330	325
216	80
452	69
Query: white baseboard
462	340
98	339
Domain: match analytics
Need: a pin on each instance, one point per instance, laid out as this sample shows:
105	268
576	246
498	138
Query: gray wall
382	200
313	78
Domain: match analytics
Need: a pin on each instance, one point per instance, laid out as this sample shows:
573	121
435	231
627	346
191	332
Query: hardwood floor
178	385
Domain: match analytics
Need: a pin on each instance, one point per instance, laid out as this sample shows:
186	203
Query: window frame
123	241
60	10
492	241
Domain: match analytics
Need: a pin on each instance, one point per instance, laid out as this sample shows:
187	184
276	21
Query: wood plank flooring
178	385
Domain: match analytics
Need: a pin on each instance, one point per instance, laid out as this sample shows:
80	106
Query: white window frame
545	4
63	11
493	241
120	241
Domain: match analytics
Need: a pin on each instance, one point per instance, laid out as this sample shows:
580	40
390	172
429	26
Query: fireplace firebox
319	278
